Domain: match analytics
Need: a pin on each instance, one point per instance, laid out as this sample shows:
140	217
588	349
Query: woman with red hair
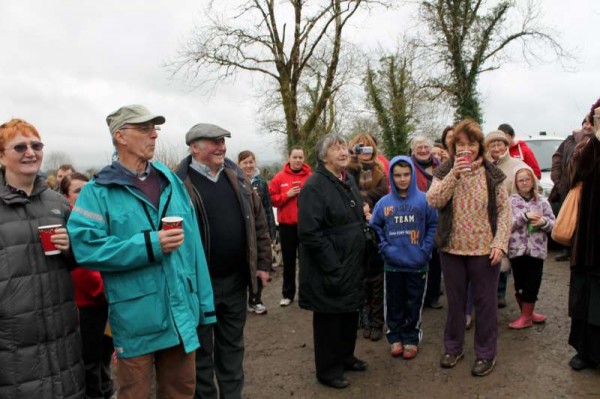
40	346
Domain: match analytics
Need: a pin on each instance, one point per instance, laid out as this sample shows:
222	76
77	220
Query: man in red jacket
520	149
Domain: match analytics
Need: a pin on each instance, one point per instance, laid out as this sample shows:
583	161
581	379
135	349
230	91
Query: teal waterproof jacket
156	300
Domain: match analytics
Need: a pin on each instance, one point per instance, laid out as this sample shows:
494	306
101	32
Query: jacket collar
230	167
116	174
12	197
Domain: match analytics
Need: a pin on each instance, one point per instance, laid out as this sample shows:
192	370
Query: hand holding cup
54	239
171	236
462	163
295	190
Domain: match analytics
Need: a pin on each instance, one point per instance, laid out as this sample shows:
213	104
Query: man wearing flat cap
235	235
156	280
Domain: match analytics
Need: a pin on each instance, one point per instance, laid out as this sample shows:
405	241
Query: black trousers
221	353
527	273
335	339
434	278
584	311
373	310
288	234
96	352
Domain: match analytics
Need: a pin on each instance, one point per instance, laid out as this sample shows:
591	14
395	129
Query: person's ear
119	137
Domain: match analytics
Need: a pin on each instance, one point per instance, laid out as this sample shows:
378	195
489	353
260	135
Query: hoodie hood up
412	187
519	168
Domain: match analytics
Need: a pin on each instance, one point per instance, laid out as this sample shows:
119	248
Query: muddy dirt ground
531	363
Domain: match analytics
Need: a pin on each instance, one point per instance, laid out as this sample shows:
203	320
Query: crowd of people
160	268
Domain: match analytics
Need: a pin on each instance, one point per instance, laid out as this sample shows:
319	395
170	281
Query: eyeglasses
525	180
143	129
22	147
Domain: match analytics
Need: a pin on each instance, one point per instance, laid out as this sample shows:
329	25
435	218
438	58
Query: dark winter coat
40	346
259	184
584	292
332	243
559	172
258	243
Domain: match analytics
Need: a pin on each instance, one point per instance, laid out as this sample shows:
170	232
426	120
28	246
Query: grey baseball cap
205	131
134	113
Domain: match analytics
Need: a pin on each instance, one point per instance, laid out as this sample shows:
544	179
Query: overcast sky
67	64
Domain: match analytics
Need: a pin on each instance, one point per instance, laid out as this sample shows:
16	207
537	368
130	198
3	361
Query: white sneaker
259	308
285	302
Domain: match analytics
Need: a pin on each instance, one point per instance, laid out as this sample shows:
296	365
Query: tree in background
396	93
53	160
170	154
280	43
466	38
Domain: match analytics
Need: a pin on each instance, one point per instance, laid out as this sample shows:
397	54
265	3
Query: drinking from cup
46	233
172	222
468	156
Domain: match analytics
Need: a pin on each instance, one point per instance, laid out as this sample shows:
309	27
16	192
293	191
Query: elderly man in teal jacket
156	280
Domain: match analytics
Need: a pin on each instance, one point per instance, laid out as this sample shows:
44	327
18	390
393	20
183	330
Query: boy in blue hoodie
406	225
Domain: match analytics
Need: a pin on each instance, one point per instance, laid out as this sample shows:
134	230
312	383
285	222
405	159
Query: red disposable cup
172	222
46	233
468	156
296	183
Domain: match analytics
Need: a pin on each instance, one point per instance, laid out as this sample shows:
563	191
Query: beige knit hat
496	135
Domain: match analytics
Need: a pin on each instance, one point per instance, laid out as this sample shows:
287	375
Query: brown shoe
366	333
376	334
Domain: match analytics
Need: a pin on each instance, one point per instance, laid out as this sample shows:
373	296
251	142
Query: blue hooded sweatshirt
406	226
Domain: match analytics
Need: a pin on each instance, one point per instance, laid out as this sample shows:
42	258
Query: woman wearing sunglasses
40	343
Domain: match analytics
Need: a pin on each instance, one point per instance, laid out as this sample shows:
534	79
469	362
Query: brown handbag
564	227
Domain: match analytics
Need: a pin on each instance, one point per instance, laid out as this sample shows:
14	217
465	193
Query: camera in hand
361	149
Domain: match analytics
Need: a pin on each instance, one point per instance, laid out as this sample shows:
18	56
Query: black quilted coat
40	346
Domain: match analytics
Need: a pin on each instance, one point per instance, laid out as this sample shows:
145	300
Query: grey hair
326	142
418	140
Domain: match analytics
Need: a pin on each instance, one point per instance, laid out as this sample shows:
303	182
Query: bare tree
280	40
339	112
53	160
365	123
169	154
469	37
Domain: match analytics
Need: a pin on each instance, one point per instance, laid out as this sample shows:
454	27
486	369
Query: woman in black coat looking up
332	242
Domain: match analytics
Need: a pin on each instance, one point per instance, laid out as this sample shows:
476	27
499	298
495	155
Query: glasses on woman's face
524	180
22	147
